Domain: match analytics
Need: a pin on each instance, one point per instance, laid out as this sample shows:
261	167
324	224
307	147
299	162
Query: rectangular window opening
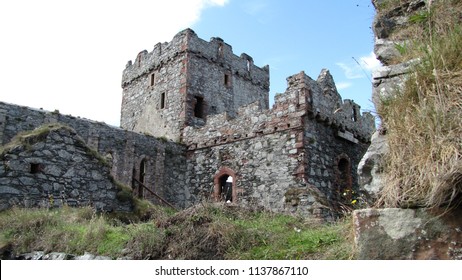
354	116
199	107
152	79
35	168
227	80
162	100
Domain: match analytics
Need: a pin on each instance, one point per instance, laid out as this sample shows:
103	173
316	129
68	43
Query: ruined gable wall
165	161
326	105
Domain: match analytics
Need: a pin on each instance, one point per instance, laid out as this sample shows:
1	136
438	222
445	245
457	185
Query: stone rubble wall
303	96
327	106
141	99
323	152
286	158
52	167
208	64
184	69
124	150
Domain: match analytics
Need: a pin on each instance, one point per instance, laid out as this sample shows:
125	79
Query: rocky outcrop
389	44
370	168
388	23
407	234
398	233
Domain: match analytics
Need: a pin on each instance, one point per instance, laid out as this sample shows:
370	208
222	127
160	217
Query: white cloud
254	7
350	70
343	85
359	68
69	55
217	2
369	62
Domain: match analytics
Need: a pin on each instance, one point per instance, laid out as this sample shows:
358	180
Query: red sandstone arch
216	183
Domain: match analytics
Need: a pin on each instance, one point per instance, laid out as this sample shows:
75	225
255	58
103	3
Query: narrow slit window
162	100
142	178
227	80
152	79
354	116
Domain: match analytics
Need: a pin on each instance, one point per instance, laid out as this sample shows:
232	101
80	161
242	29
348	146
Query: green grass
281	236
202	232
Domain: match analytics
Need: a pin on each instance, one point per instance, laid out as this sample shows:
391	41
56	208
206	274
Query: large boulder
408	234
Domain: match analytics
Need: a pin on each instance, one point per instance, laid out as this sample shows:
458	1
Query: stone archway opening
344	178
225	186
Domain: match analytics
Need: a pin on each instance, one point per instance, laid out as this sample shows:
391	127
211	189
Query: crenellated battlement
317	100
146	62
187	41
185	81
325	104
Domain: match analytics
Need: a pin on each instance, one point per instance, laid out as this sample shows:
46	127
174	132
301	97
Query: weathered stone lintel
347	136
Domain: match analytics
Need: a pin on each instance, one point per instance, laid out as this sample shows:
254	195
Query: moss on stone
30	137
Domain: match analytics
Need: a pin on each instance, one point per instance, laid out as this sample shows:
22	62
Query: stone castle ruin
195	125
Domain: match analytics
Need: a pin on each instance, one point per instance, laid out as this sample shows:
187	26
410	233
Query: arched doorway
225	186
344	179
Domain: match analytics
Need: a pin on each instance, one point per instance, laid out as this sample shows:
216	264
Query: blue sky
69	55
293	35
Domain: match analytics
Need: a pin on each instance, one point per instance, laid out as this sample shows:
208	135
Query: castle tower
182	82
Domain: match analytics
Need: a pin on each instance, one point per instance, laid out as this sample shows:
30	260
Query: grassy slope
202	232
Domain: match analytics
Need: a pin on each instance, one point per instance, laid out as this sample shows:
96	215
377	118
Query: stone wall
225	81
52	166
297	156
164	161
286	158
154	90
184	81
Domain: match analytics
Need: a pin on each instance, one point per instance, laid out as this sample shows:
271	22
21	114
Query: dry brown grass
423	120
